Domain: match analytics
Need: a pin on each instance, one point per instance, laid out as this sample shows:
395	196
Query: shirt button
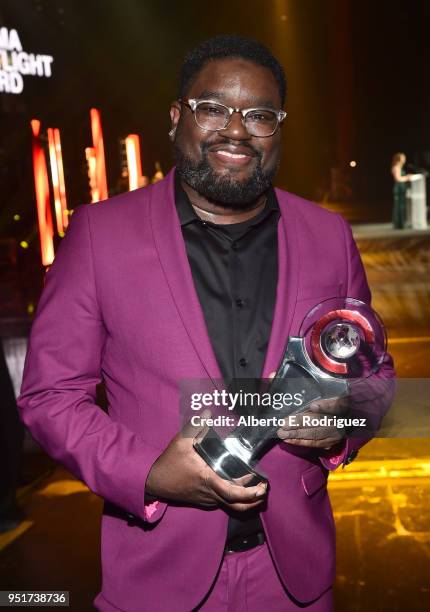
240	303
234	246
243	362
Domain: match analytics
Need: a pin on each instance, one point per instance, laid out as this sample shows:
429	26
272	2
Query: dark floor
383	534
57	547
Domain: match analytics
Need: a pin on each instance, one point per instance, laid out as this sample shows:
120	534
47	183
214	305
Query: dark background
357	77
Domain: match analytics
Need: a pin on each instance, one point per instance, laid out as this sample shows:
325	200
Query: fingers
317	436
214	490
324	443
216	502
244	480
307	425
335	406
231	493
237	506
245	507
309	433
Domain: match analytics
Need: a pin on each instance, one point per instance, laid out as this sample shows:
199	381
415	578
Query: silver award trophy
341	341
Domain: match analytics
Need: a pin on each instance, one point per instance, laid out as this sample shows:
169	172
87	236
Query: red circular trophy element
345	337
340	316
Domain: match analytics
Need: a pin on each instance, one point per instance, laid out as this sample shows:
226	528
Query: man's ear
175	113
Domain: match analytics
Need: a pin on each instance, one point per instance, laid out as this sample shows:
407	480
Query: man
202	276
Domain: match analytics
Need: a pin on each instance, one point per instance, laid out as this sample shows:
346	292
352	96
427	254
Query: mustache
206	146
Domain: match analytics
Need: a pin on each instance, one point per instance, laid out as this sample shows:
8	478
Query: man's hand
319	436
181	475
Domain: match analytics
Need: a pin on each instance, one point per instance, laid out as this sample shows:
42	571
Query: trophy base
214	452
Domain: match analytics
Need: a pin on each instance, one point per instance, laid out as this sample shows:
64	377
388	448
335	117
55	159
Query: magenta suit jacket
119	300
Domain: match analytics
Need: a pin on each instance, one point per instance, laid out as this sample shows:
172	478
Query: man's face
202	157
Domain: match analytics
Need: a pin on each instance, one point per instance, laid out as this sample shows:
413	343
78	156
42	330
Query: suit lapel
287	287
174	262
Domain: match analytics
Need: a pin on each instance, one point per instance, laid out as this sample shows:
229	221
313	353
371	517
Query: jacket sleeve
371	400
62	368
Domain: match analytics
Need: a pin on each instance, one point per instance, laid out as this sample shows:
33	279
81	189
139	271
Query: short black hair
226	46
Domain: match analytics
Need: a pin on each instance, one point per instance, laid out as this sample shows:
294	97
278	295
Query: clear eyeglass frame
193	104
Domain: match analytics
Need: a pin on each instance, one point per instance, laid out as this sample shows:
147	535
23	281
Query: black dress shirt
235	272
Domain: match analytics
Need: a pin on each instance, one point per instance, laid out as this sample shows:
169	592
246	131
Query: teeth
234	155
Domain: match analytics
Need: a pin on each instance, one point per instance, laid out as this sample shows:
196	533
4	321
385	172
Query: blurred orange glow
61	183
134	164
55	181
90	154
158	173
99	154
46	231
57	174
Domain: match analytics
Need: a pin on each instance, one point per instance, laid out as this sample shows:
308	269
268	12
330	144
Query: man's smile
232	155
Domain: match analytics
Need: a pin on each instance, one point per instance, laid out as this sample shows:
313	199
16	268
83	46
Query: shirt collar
187	214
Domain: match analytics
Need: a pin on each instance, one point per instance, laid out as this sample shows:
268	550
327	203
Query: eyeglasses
212	116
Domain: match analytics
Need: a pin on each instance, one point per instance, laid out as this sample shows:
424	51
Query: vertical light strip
55	182
98	147
61	182
46	231
90	155
134	163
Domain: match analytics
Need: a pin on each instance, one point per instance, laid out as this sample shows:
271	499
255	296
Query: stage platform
376	231
371	219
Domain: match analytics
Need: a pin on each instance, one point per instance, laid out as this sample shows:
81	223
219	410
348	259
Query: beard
223	190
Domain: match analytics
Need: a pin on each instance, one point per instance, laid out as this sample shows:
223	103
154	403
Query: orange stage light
55	181
61	183
57	174
46	231
99	154
90	154
134	164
